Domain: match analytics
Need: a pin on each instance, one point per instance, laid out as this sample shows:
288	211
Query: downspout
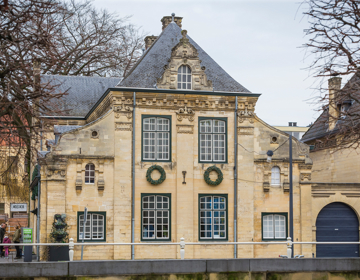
235	176
38	217
133	182
38	206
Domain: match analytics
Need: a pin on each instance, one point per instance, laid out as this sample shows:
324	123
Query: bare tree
94	42
67	38
27	33
334	42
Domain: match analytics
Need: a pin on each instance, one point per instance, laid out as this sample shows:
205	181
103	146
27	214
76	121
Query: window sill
156	241
93	241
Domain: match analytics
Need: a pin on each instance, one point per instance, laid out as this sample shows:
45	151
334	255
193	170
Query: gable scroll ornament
185	113
246	115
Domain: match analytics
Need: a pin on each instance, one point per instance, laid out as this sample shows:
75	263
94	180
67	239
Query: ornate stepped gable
167	52
184	53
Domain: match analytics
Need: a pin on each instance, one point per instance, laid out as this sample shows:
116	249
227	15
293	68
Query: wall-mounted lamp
184	174
269	155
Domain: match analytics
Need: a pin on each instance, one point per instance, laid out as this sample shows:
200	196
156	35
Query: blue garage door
337	222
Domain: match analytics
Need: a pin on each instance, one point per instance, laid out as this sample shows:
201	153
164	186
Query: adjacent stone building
177	144
335	179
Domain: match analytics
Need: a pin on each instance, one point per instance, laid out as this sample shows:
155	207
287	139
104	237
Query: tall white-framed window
156	138
90	173
184	77
95	227
155	217
212	217
274	226
275	176
212	144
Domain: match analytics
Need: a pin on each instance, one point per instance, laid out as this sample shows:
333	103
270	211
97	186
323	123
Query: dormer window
184	77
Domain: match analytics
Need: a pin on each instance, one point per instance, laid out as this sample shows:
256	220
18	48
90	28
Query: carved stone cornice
123	110
185	113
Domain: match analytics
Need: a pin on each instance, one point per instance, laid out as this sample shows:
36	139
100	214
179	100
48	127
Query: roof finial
173	17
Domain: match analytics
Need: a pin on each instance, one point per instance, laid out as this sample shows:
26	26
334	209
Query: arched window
184	77
89	173
275	176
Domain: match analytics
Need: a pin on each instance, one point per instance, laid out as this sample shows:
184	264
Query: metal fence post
289	247
71	249
182	248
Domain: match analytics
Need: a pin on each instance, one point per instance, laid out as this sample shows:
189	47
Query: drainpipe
38	206
235	177
38	217
133	183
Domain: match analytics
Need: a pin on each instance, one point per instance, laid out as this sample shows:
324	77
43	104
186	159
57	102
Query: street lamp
269	154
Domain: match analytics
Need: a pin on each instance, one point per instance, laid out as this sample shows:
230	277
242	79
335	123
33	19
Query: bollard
289	245
182	248
71	249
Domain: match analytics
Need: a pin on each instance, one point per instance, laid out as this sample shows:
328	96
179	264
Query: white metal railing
182	245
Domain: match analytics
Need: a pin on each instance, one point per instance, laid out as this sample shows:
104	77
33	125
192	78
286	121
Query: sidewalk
11	258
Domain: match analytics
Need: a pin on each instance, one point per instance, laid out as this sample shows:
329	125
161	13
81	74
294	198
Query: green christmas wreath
162	175
207	176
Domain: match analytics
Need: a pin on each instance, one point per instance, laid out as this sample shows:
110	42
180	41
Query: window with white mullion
213	217
94	227
274	226
156	138
212	134
184	77
156	217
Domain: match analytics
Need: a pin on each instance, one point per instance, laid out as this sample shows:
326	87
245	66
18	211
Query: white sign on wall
18	207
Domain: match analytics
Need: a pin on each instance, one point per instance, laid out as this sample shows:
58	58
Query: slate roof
60	129
320	127
151	65
82	93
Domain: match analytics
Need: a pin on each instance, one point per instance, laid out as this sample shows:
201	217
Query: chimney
149	40
167	19
334	87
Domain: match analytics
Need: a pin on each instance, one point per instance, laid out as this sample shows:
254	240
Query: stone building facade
335	183
176	142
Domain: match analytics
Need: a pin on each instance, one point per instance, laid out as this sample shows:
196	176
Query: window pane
163	145
275	175
268	228
149	145
280	226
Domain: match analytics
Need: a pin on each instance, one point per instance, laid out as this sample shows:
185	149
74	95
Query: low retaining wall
259	269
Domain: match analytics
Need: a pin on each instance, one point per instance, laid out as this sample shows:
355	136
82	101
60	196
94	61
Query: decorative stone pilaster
78	181
101	181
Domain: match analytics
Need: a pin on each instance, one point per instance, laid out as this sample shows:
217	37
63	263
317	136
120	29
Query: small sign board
18	207
27	235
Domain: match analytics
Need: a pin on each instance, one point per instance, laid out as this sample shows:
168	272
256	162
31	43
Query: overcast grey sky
256	42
